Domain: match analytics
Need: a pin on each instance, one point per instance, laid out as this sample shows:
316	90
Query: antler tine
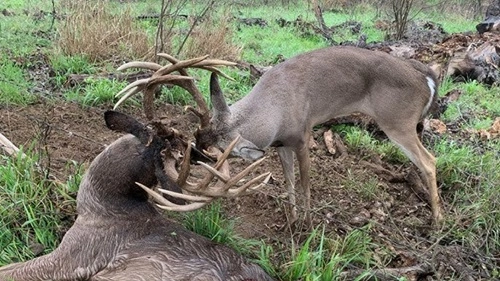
232	192
208	178
184	208
169	78
214	69
207	64
167	205
201	193
133	86
140	64
185	166
178	65
202	63
230	182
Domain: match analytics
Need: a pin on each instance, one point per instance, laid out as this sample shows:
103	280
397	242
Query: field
57	69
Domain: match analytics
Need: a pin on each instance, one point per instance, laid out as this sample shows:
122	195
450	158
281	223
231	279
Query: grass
14	85
32	207
210	222
359	139
30	214
324	258
96	92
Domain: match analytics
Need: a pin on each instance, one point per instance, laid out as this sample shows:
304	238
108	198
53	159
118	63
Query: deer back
314	87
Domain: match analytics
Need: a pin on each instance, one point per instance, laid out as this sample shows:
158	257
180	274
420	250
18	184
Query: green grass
324	258
210	222
14	84
96	92
358	139
30	208
63	66
475	103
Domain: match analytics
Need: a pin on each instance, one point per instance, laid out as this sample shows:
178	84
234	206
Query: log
479	64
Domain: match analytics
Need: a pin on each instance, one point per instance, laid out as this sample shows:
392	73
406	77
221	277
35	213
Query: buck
314	87
120	235
307	90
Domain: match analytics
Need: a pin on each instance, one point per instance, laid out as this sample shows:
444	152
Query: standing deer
120	235
305	91
314	87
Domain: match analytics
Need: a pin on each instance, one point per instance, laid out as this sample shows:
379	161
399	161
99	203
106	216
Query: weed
357	138
93	30
210	222
97	91
27	210
323	258
214	37
14	87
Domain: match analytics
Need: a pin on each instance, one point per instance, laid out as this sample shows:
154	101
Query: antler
202	192
162	76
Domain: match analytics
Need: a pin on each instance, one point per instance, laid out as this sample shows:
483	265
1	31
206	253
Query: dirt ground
399	214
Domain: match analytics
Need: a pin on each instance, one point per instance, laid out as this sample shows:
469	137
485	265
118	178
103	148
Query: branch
389	273
8	146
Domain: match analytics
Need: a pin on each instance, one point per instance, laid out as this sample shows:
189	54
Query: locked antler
162	75
201	193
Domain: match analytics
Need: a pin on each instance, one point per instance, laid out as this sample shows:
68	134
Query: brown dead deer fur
119	235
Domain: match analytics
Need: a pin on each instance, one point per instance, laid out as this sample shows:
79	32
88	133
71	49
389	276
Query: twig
195	22
8	146
389	273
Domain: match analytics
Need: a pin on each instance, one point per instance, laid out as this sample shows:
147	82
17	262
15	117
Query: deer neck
108	188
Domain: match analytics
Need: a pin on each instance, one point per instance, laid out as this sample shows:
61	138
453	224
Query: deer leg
304	166
409	143
286	158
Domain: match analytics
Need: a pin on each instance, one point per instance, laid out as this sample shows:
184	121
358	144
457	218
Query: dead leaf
495	128
484	134
328	136
435	125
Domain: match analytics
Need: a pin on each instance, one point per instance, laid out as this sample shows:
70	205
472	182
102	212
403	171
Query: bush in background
90	29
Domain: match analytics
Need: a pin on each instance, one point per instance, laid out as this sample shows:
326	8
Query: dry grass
213	37
90	29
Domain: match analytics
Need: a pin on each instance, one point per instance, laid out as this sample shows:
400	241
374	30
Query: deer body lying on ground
119	235
314	87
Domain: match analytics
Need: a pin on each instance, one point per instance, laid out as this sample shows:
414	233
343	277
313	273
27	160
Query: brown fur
119	235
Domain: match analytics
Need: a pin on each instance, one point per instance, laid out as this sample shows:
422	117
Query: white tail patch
432	87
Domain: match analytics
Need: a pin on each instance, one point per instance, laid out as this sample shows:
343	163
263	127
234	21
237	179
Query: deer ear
120	122
217	97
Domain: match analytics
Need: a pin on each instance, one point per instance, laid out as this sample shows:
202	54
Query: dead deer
120	235
314	87
308	90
